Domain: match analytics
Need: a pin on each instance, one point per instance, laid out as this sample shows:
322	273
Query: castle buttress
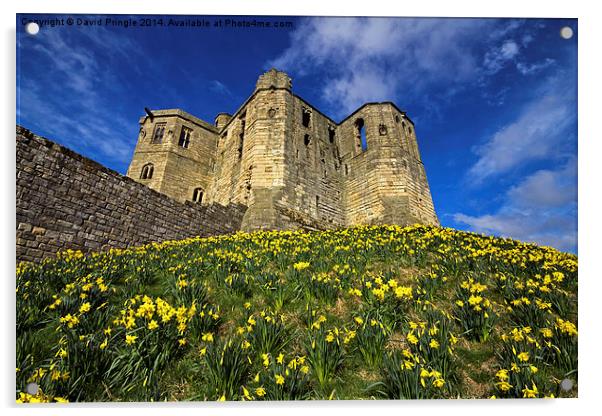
289	163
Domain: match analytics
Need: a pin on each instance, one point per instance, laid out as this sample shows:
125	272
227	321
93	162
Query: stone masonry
66	201
289	163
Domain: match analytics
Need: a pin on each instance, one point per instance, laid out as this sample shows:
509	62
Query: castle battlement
289	163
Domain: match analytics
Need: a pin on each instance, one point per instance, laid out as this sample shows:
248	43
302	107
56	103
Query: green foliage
474	311
404	378
224	317
371	338
269	335
228	368
325	355
284	380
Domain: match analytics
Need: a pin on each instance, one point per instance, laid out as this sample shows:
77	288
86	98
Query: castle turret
222	119
274	79
175	154
385	177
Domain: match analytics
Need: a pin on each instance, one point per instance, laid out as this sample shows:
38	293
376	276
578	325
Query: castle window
410	129
241	136
361	134
307	140
147	171
185	137
331	134
397	119
317	205
197	195
158	133
306	117
346	170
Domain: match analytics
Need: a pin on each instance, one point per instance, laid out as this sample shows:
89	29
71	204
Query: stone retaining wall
67	201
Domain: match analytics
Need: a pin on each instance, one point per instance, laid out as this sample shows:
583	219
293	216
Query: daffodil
130	339
523	356
438	383
530	393
503	385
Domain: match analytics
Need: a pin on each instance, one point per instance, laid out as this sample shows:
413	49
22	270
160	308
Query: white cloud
499	56
546	188
528	69
218	87
527	39
554	231
368	59
538	132
542	208
375	59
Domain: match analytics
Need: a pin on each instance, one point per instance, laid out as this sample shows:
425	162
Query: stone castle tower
290	164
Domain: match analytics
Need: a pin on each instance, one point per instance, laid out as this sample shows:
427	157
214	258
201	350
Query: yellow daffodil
130	339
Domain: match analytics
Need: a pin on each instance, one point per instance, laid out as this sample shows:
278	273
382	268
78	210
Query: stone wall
66	201
313	184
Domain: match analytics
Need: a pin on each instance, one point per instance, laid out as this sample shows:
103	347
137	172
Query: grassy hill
366	312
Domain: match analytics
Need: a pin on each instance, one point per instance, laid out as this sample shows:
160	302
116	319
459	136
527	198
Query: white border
590	235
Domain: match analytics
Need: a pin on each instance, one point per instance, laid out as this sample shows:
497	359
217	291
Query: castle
289	163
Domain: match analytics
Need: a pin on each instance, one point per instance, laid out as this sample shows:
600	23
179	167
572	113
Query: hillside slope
365	312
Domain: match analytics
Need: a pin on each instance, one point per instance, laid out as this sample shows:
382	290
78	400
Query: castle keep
289	164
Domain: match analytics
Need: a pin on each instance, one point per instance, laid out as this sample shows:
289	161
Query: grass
360	313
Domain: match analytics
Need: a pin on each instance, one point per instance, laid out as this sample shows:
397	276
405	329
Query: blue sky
494	100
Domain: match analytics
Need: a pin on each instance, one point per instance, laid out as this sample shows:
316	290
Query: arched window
197	195
361	134
147	171
158	133
331	134
185	134
307	139
306	117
